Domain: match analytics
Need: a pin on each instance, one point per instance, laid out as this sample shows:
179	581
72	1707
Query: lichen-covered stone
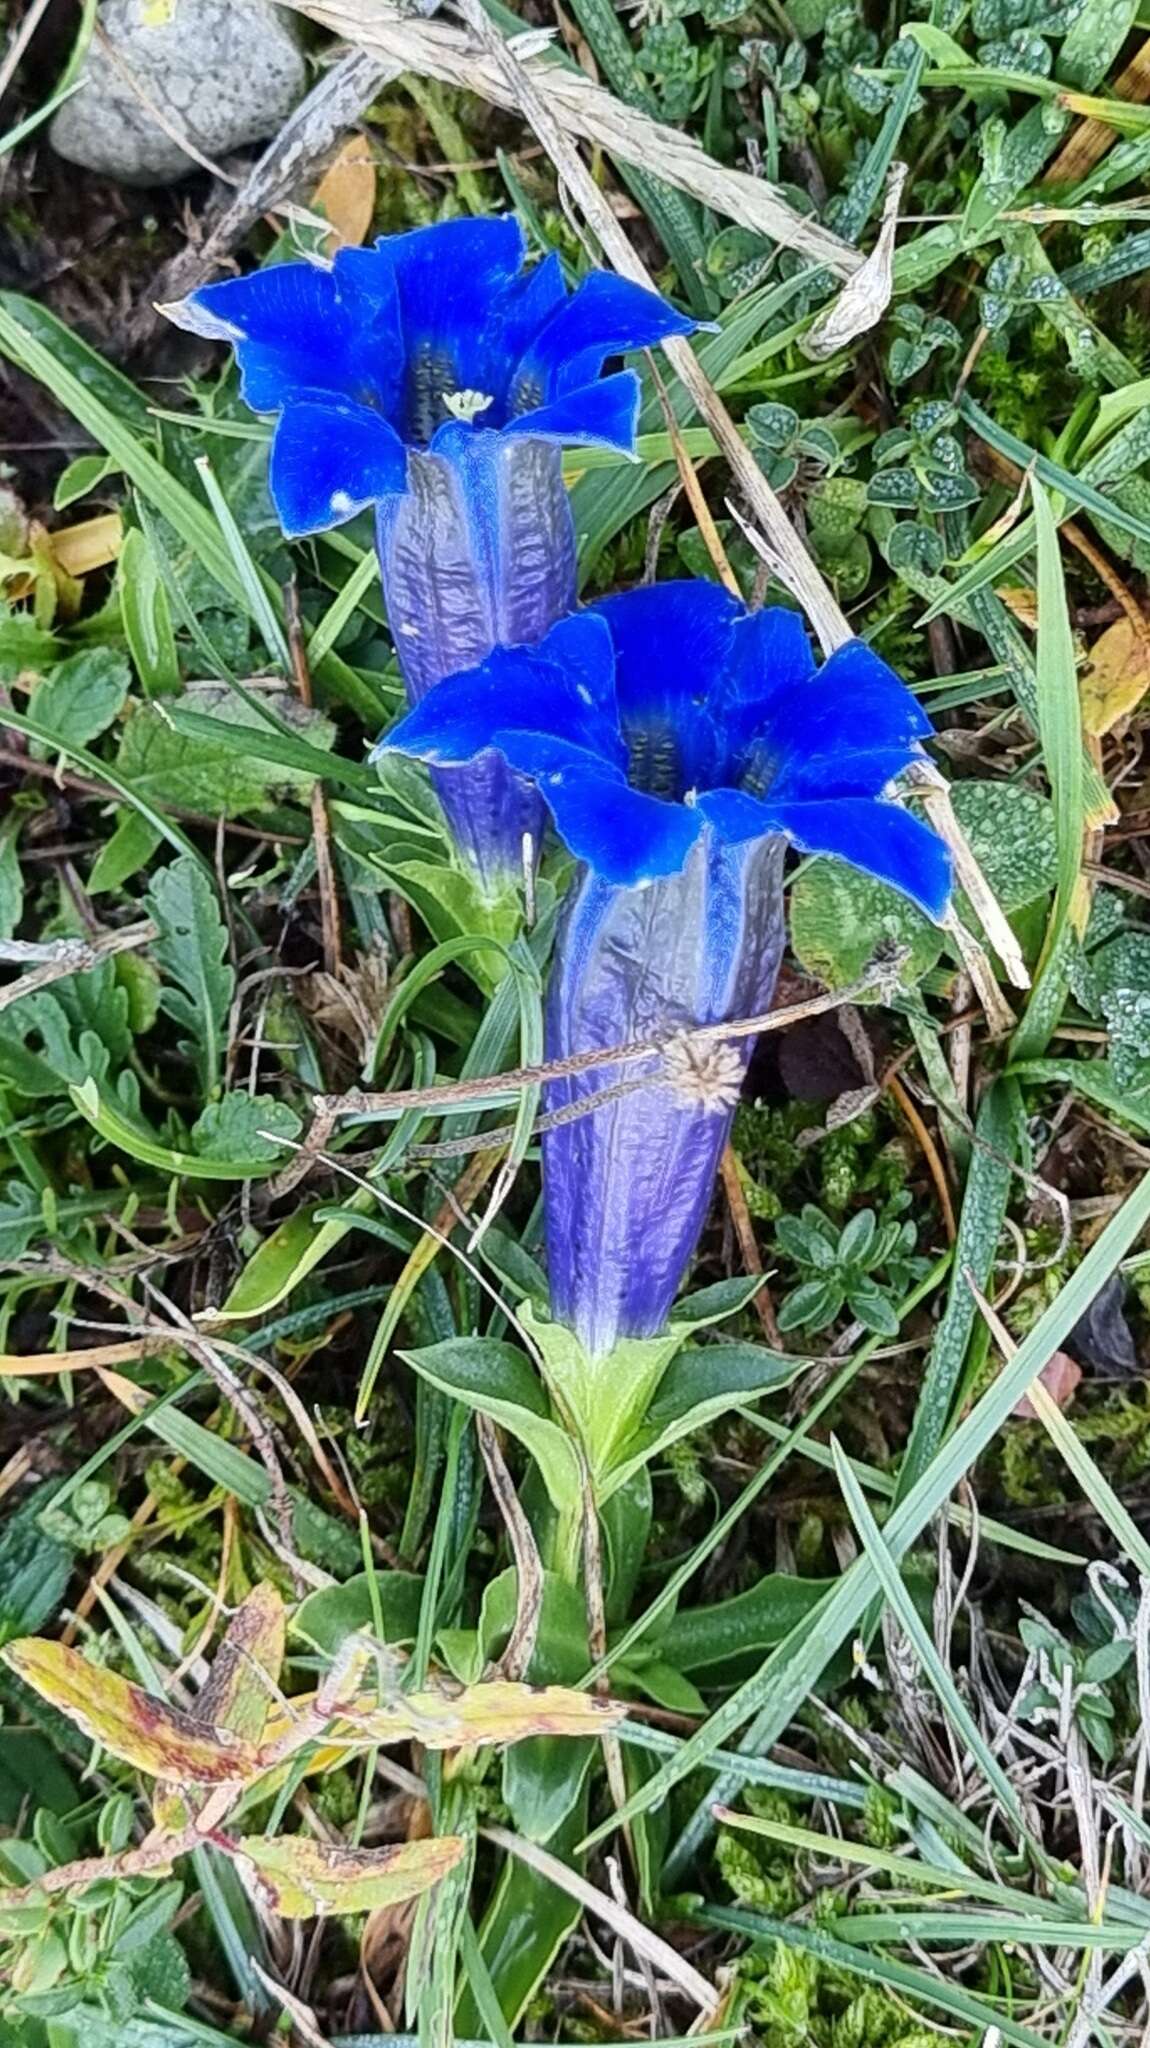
222	72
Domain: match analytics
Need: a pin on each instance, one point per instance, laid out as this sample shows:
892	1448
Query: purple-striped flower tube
434	378
681	742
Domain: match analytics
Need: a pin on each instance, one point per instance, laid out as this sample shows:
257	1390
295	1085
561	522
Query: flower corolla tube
681	743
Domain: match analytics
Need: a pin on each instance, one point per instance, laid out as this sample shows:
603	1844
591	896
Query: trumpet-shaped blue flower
680	743
435	379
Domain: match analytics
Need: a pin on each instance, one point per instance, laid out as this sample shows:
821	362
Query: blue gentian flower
435	379
681	742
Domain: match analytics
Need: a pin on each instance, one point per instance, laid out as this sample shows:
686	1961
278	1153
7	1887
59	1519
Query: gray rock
222	73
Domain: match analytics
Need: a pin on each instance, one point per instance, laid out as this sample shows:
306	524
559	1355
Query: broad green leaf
223	775
1093	41
328	1617
243	1126
130	847
79	477
285	1258
1012	836
701	1383
300	1878
841	917
80	698
607	1397
718	1640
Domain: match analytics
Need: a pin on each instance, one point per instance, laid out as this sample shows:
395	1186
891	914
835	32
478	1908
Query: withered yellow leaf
239	1691
91	544
345	194
300	1877
130	1723
498	1712
1117	677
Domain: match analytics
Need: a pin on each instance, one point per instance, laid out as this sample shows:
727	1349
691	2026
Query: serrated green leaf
191	953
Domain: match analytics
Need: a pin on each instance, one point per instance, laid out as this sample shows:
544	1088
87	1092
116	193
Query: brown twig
908	1108
529	1570
748	1243
62	957
328	1110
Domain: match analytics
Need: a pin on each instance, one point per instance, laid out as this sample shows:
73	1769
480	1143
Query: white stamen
343	504
466	405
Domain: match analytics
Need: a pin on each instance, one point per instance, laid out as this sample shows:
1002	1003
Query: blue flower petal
770	652
880	838
672	640
602	415
854	670
529	306
605	316
523	702
301	329
861	771
625	837
328	462
454	283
